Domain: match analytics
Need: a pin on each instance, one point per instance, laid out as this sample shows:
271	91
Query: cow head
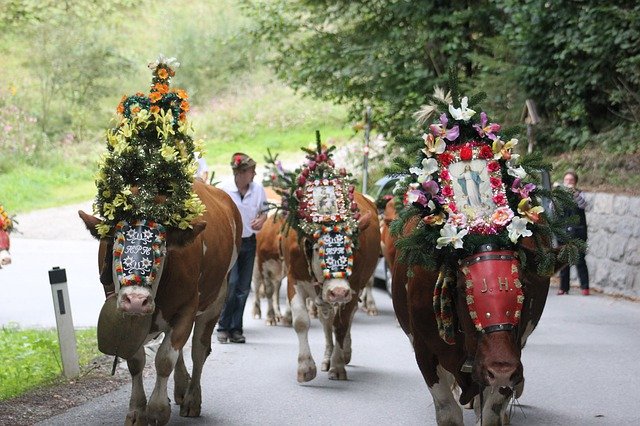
135	257
332	260
490	303
5	257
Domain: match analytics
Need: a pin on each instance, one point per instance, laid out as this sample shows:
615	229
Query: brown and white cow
5	245
269	269
337	299
189	289
484	367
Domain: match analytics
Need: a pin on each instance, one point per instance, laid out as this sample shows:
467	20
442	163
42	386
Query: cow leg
312	308
494	409
138	402
277	284
272	270
256	283
306	365
159	408
342	325
369	303
200	349
326	314
448	412
181	379
287	318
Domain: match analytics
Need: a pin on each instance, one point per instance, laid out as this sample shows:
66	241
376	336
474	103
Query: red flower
453	207
447	191
466	153
500	199
445	159
493	166
237	159
444	175
485	152
495	182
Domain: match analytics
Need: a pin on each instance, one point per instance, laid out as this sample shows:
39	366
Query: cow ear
364	221
182	237
90	222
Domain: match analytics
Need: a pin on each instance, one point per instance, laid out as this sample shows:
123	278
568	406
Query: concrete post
64	322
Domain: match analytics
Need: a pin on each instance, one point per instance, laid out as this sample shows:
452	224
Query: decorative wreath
149	165
469	188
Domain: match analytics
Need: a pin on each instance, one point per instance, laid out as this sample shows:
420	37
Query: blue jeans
239	287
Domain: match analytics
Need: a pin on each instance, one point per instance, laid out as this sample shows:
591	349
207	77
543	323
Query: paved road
581	364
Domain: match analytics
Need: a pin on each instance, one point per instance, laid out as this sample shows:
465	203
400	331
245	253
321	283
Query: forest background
267	73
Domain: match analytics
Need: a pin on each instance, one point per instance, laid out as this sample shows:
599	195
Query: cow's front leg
159	408
181	379
342	348
494	408
306	365
200	349
326	314
138	403
255	286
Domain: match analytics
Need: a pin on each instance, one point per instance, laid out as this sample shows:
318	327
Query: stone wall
613	257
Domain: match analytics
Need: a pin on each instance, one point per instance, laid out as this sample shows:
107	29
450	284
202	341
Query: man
250	198
578	230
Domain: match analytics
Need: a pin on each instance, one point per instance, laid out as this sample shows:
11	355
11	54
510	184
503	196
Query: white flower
518	172
450	235
518	228
171	62
429	166
462	113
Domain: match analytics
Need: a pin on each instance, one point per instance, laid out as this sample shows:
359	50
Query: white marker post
64	322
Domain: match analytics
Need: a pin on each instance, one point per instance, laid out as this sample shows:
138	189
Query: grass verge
31	358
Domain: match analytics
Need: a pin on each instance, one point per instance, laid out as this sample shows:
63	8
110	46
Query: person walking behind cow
250	198
578	230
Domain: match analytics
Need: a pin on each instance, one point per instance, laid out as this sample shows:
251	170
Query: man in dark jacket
578	230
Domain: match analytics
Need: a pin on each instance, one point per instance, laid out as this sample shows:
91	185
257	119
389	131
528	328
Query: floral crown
148	169
469	188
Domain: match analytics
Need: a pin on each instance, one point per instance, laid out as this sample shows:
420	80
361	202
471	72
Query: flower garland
148	169
6	222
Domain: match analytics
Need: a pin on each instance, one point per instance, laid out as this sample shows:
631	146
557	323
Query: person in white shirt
203	169
250	198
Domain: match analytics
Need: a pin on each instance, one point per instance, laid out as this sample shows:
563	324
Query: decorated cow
331	249
166	246
474	256
6	226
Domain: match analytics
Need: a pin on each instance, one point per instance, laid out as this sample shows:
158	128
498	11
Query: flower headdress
469	189
6	222
148	169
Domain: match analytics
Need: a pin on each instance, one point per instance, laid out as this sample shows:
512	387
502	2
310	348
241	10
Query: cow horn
364	221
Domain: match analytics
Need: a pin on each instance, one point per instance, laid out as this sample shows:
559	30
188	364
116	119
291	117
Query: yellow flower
168	152
162	73
529	213
103	229
109	211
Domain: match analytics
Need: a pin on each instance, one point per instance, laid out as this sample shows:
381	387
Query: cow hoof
136	418
188	410
271	321
326	363
372	311
337	374
158	414
306	371
287	321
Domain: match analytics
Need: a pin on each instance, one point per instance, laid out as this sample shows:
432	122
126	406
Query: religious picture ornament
148	169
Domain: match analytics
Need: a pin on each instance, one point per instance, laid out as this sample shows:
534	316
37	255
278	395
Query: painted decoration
138	251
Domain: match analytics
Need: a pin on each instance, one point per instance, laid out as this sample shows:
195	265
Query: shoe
237	337
585	291
562	292
223	336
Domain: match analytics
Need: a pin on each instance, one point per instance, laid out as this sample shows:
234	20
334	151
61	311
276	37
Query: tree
580	60
385	53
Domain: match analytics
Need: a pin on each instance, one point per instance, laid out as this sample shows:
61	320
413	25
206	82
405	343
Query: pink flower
444	174
441	131
485	129
459	220
495	182
493	166
500	199
501	216
523	191
447	191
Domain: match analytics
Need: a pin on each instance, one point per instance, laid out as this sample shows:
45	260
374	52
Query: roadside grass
31	358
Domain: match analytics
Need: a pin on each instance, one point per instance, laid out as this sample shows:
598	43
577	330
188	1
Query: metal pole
64	322
365	166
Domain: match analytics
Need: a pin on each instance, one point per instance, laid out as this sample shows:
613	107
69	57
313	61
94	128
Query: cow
482	369
269	269
336	298
188	292
5	245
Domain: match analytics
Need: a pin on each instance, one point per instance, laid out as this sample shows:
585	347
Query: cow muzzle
498	360
5	258
135	300
336	291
